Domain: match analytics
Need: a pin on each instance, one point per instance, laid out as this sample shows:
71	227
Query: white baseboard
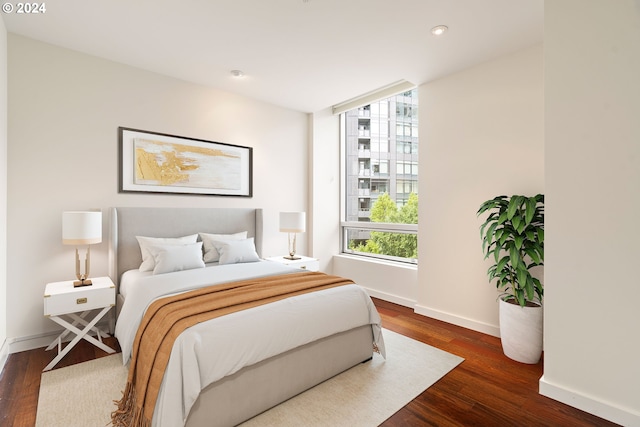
405	302
32	341
588	404
435	314
474	325
43	340
4	355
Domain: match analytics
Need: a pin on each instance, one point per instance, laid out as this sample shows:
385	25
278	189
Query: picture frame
152	162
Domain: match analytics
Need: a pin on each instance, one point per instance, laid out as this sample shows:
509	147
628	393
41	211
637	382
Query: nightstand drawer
304	263
63	298
311	265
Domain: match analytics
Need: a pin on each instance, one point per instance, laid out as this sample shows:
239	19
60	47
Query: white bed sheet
130	278
144	287
245	337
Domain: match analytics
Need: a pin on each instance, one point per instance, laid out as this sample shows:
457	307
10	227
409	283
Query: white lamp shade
81	228
292	222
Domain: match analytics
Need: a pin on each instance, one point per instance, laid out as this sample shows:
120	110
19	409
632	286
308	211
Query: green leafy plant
401	245
513	235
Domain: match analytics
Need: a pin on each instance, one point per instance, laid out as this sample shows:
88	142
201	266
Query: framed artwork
152	162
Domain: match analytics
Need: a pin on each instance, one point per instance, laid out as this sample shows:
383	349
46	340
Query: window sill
378	261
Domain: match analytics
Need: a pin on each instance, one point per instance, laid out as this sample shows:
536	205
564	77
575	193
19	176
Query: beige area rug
82	395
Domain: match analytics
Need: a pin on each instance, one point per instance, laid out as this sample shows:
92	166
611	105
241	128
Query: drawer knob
81	301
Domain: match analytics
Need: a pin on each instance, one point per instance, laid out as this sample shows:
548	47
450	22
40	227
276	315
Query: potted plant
513	237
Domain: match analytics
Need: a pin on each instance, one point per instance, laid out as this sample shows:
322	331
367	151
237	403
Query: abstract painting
162	163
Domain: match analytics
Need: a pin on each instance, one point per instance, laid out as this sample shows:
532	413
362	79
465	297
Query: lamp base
78	283
291	257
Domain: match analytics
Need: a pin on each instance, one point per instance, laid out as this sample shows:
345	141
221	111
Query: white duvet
214	349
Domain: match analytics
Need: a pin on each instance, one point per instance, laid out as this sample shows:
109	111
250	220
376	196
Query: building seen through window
381	178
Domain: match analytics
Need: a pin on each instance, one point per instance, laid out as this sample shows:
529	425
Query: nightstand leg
80	319
77	320
80	334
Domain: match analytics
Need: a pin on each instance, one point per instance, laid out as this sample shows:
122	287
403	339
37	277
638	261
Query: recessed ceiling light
439	30
237	73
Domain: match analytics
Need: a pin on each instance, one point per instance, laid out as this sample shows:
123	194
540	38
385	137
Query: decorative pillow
236	251
169	258
210	252
148	263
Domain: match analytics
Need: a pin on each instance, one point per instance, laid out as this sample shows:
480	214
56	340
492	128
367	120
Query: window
379	186
406	147
405	187
380	167
407	168
381	199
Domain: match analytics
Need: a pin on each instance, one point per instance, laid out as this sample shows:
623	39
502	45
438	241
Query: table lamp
82	228
292	222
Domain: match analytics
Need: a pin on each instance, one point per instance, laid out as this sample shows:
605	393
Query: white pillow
169	258
236	251
148	263
210	252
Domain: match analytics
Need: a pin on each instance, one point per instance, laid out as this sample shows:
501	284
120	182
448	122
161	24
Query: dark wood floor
487	389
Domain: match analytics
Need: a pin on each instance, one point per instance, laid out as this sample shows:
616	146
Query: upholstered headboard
128	222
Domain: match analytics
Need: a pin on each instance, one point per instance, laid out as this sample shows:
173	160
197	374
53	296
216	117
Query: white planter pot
521	332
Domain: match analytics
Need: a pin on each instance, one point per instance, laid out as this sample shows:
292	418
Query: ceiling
305	55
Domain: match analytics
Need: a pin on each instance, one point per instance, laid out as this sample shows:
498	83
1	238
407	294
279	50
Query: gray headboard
128	222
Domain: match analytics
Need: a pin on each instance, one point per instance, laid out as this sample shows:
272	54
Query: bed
270	353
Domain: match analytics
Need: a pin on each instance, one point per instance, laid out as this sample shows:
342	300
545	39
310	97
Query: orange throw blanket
167	317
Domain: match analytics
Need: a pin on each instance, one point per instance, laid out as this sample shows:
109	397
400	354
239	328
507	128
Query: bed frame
127	223
255	388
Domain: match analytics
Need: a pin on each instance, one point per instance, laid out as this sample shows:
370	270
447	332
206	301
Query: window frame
345	225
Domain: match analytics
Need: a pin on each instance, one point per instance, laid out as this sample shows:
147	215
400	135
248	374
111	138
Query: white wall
64	111
390	281
3	194
324	164
386	280
469	122
481	135
592	133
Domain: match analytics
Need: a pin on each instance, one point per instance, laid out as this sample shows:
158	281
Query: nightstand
76	303
304	263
